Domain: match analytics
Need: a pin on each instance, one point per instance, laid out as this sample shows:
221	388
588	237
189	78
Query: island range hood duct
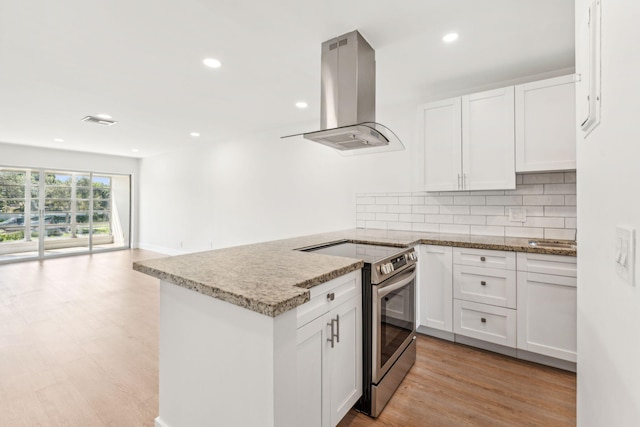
348	97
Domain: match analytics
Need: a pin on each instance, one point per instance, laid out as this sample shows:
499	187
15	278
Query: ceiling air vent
99	120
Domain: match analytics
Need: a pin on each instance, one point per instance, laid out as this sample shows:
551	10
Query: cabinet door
440	127
488	144
436	287
312	369
545	125
345	359
547	314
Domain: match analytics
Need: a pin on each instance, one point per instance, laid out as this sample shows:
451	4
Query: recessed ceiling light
195	134
302	104
135	150
450	37
212	63
58	140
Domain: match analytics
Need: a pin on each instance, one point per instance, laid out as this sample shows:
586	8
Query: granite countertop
273	277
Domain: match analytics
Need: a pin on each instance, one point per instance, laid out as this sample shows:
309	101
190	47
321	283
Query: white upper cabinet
440	123
546	125
488	140
468	142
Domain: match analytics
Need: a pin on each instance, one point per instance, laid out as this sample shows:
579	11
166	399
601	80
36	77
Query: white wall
608	183
38	157
257	188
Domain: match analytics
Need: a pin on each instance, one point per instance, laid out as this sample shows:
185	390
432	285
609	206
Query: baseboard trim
432	332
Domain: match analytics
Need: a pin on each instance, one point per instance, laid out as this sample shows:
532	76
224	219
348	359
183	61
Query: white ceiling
140	61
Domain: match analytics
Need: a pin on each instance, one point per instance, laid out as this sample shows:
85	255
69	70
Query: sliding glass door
46	213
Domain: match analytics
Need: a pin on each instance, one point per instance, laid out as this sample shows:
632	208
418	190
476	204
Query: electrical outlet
517	214
625	254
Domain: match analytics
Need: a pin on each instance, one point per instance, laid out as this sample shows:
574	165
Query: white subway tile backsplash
537	233
376	208
454	210
455	229
399	208
471	200
569	177
399	226
548	199
559	189
526	189
424	226
382	225
504	200
502	221
487	230
543	178
565	211
438	200
560	233
470	219
410	218
387	217
365	216
413	200
365	200
426	209
487	210
386	200
542	222
439	219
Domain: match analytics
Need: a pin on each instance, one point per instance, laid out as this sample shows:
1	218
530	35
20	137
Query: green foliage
8	237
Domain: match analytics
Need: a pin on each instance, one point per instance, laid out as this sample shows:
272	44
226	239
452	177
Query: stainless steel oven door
394	320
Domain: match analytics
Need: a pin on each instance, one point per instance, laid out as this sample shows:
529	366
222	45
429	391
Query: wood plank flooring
79	347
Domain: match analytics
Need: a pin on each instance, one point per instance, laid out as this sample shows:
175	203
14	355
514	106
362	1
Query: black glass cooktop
368	253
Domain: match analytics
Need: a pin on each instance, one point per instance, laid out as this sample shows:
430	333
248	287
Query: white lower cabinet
485	322
547	306
525	301
436	284
329	359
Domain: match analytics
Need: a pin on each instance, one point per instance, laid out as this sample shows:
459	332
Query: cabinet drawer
559	265
484	258
485	285
485	322
342	289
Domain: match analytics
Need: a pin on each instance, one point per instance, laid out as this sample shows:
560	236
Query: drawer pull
483	258
331	296
483	320
483	283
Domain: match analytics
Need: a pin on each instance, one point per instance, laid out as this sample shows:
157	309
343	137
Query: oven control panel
386	268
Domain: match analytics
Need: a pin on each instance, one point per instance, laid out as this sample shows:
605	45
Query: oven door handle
399	284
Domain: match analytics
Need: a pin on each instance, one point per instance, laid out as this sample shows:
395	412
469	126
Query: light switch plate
625	253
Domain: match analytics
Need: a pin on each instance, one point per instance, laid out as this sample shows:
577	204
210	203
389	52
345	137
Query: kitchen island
228	321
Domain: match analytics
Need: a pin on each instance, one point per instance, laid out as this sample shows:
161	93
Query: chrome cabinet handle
338	327
331	296
332	333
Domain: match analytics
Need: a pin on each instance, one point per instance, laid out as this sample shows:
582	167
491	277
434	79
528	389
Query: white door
436	287
345	358
545	125
488	148
440	127
312	370
547	314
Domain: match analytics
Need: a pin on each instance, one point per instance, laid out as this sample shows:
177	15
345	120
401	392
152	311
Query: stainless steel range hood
348	97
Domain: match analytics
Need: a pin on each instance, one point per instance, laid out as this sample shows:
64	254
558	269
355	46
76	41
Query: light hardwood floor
79	347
